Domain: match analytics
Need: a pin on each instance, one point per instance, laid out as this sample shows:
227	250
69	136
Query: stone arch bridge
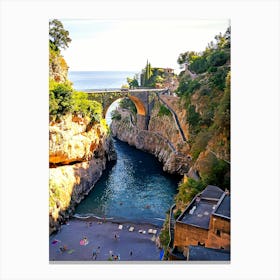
142	98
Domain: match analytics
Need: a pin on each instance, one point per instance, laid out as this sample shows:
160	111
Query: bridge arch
140	97
140	107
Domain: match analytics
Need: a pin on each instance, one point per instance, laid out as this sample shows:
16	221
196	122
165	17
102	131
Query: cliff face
78	155
162	139
58	68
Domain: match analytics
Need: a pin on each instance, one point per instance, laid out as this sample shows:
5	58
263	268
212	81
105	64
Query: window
218	232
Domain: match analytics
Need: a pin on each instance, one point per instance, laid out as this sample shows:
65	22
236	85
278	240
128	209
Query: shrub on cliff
217	58
82	105
164	236
126	103
187	86
163	111
63	99
193	118
187	191
60	98
200	142
222	116
199	65
115	115
214	171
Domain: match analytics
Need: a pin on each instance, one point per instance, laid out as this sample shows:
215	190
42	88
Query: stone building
205	223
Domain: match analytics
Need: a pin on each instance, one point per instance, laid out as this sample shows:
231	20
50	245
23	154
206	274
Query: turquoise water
99	79
134	189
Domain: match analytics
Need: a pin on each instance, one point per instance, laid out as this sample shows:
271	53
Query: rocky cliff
162	139
78	152
58	68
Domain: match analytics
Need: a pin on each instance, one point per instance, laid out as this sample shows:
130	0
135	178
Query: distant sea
85	80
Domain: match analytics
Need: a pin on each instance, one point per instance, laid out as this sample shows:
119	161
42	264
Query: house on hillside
204	223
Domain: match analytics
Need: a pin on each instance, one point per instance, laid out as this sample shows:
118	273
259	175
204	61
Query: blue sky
120	45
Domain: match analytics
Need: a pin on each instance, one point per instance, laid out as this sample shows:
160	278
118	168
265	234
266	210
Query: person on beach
84	241
62	248
94	254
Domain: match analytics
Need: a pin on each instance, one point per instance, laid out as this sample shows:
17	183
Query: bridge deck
122	90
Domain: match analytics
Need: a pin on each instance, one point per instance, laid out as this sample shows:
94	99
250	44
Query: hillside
204	91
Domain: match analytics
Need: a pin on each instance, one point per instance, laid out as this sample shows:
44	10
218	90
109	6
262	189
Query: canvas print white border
24	134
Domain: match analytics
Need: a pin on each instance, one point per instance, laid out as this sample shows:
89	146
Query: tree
58	36
218	58
186	57
133	83
199	65
146	75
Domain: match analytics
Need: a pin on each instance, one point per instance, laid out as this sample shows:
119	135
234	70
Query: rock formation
78	155
162	139
58	68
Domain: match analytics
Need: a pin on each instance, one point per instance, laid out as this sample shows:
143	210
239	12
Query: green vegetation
187	191
200	142
58	36
199	65
152	77
164	237
60	98
82	105
163	111
63	99
218	58
126	103
187	87
193	118
177	213
55	193
222	116
215	171
133	83
146	75
116	115
206	97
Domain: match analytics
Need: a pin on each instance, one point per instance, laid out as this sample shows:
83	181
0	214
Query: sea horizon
99	79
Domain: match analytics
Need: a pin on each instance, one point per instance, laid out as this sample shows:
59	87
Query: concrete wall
185	235
219	233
